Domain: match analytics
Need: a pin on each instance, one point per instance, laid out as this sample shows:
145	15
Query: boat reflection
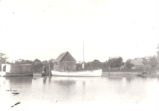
65	82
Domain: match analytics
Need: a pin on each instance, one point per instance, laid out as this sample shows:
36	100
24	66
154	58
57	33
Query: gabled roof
63	55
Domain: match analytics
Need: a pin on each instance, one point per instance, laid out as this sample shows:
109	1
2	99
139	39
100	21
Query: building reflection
66	89
19	82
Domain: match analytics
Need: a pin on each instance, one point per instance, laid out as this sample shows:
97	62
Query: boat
90	73
74	73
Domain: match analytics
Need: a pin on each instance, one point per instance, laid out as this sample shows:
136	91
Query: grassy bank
120	73
130	74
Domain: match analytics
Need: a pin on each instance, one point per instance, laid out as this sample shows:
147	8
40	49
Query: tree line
112	64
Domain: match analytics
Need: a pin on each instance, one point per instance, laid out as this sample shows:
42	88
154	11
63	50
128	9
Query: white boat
92	73
83	73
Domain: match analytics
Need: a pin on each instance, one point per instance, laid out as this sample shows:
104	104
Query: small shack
65	62
20	70
17	69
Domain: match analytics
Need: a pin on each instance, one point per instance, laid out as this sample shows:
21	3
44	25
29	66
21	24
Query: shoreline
129	74
104	74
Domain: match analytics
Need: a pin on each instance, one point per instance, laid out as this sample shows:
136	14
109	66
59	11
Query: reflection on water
66	83
61	90
19	82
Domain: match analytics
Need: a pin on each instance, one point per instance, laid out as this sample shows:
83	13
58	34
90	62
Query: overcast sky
43	29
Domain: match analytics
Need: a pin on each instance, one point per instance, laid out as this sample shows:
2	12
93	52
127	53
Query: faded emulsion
79	55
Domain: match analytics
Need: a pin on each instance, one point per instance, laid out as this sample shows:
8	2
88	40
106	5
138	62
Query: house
65	62
139	64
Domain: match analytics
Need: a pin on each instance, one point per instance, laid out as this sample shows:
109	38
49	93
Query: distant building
17	69
22	69
65	62
139	64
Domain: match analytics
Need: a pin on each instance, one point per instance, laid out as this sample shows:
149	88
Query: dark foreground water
79	94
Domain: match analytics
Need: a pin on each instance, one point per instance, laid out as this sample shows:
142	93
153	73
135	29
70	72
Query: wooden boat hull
93	73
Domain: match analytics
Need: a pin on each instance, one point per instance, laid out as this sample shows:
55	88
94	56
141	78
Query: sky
43	29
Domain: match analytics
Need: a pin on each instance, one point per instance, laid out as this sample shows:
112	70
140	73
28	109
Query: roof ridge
61	56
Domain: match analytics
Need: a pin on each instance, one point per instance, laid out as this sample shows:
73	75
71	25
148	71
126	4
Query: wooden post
49	70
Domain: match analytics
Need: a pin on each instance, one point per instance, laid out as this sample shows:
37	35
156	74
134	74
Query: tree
153	62
96	64
37	66
115	62
128	64
158	53
3	58
22	61
51	63
105	66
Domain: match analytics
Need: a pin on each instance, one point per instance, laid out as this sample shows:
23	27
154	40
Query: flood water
79	93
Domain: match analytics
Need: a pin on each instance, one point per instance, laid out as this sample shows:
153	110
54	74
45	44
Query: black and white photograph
79	55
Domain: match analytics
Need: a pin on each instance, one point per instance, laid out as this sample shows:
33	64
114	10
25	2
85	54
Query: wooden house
65	62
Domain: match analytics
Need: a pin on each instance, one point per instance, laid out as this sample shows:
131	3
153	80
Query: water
83	93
